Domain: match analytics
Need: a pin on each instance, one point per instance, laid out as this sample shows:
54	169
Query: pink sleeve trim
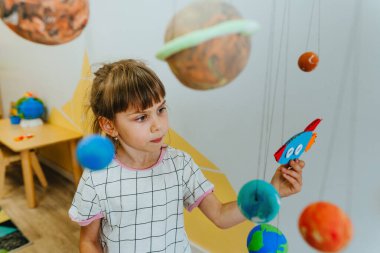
199	200
86	222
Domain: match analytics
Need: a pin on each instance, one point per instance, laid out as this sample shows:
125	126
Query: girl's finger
295	166
301	163
292	181
294	174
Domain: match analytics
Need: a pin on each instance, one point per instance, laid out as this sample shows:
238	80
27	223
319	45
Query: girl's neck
137	159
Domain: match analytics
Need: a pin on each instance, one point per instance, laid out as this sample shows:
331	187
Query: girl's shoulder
176	154
100	176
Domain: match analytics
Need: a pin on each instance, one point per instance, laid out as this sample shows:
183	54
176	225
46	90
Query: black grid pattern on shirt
188	186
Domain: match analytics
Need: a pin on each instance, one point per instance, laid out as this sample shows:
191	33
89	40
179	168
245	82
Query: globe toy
49	22
95	152
30	108
258	201
265	238
308	61
325	227
207	44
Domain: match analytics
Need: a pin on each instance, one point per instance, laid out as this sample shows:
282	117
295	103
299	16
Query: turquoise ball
266	238
259	201
95	152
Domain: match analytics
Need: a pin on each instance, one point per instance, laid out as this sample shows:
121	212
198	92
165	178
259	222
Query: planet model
308	61
95	152
259	201
207	44
325	227
49	22
30	108
265	238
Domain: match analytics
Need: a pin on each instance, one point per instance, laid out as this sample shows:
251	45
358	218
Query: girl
136	203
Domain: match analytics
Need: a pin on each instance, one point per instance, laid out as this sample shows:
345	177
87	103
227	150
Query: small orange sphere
325	227
308	61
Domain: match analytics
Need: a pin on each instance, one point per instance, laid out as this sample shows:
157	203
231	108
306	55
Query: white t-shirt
141	210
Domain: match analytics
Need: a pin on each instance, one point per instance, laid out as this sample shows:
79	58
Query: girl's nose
156	124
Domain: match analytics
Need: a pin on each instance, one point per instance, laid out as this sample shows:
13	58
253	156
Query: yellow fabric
3	216
199	229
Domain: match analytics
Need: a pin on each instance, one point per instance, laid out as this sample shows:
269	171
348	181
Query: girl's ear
107	126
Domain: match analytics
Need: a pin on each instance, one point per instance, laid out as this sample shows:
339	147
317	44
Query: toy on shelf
13	114
23	137
30	109
298	144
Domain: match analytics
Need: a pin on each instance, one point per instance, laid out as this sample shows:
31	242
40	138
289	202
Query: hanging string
284	92
353	115
341	92
174	19
286	74
310	26
273	98
266	88
351	144
268	85
269	101
319	29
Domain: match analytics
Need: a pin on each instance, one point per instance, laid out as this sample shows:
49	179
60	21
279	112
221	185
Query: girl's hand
288	178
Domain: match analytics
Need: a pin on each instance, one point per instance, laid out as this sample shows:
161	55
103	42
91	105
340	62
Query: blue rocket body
298	144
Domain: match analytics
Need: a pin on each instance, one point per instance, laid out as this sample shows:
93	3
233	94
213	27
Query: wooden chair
7	156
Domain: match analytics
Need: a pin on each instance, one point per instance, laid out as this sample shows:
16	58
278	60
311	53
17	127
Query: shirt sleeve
195	185
85	207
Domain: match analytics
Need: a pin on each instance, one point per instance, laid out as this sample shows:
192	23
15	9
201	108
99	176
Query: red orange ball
325	227
308	61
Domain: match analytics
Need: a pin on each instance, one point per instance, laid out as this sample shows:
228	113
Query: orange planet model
207	44
308	61
50	22
325	227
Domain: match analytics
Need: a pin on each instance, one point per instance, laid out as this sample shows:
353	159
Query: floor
48	226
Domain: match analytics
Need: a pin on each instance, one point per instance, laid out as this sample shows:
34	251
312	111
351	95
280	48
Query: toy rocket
298	144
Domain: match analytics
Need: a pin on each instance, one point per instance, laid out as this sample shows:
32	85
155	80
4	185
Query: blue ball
95	152
259	201
266	238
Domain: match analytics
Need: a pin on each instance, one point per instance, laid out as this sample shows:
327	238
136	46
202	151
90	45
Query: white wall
224	124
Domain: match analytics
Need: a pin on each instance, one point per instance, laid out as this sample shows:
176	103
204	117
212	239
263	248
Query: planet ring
245	27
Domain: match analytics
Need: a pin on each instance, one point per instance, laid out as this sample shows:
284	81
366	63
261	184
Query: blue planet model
259	201
95	152
266	238
30	108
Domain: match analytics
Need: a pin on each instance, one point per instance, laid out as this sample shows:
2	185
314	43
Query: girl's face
143	130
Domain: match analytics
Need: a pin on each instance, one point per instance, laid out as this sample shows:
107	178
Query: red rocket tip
279	152
313	125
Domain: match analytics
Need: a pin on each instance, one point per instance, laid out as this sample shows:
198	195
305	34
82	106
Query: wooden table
44	135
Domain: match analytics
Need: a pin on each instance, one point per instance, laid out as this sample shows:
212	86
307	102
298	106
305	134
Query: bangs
138	89
141	96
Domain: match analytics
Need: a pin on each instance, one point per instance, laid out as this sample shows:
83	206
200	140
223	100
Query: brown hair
122	85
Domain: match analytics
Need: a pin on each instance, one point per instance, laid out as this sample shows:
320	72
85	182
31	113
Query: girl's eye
162	109
141	118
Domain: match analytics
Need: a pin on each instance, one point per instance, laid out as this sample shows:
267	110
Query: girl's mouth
158	140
